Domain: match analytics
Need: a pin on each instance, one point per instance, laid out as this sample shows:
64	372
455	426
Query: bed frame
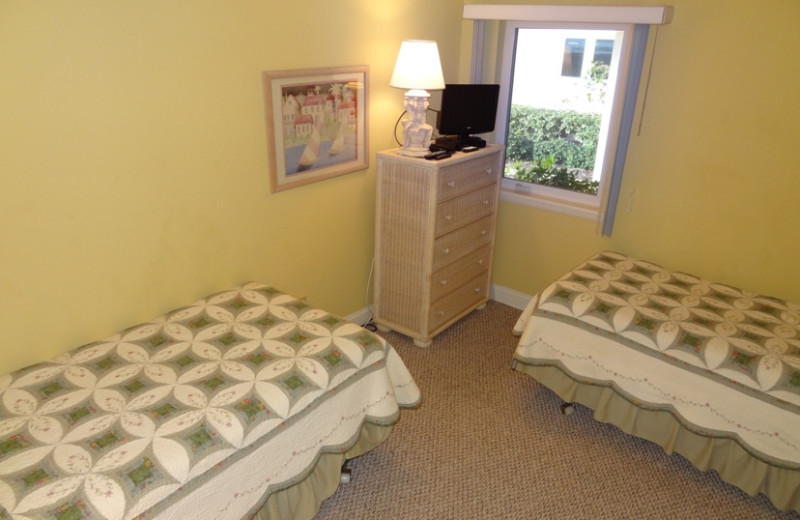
703	369
244	403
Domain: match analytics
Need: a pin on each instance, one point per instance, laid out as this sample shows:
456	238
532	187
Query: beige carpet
490	443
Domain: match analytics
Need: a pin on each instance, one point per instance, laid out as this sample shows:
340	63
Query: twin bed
702	369
242	404
245	404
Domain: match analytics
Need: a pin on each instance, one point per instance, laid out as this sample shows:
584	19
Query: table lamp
417	69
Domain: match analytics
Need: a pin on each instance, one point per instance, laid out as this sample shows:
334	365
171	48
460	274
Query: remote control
440	154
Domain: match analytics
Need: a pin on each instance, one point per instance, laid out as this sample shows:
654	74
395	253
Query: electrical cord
369	325
397	123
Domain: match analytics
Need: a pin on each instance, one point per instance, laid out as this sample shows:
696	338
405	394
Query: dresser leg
423	344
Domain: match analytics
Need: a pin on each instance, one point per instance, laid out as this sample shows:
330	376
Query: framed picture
316	124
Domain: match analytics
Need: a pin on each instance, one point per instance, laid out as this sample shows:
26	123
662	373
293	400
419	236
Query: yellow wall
714	172
134	161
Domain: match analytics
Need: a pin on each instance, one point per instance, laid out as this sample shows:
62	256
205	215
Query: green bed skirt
302	500
726	456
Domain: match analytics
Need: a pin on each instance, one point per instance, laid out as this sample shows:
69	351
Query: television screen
467	109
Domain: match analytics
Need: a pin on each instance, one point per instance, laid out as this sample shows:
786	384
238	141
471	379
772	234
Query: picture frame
316	124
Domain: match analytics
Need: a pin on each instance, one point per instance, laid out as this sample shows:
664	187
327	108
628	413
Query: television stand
457	142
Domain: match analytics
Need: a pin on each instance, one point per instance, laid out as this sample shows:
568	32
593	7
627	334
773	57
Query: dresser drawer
449	248
459	300
457	179
459	272
455	213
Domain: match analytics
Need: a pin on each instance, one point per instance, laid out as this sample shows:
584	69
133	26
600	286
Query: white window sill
549	199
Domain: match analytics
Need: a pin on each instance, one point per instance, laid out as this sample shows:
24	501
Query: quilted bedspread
726	361
198	414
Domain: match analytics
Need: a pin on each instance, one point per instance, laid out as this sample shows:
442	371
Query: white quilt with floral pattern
726	362
199	414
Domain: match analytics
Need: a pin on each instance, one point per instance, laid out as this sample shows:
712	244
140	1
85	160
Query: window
602	51
573	57
556	118
559	121
577	139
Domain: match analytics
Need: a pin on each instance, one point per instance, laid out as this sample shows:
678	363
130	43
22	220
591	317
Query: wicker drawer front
459	272
450	248
455	213
456	302
457	179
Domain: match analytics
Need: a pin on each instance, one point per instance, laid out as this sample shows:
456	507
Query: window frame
637	20
554	199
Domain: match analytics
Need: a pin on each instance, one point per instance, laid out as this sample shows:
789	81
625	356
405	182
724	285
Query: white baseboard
361	316
510	297
499	293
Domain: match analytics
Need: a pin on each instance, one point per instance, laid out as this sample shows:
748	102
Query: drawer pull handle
487	171
477	290
440	313
483	233
443	283
480	262
446	251
485	202
448	217
451	184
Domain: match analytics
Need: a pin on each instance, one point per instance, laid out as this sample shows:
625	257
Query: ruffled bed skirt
302	500
724	455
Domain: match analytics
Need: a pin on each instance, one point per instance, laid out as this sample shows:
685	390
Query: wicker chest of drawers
434	239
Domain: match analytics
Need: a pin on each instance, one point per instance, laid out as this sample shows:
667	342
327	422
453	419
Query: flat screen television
467	109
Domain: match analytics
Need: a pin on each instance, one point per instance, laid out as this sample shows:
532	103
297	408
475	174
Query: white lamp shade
418	66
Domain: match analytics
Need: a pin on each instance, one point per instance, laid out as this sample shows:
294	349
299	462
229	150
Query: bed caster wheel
346	473
567	409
